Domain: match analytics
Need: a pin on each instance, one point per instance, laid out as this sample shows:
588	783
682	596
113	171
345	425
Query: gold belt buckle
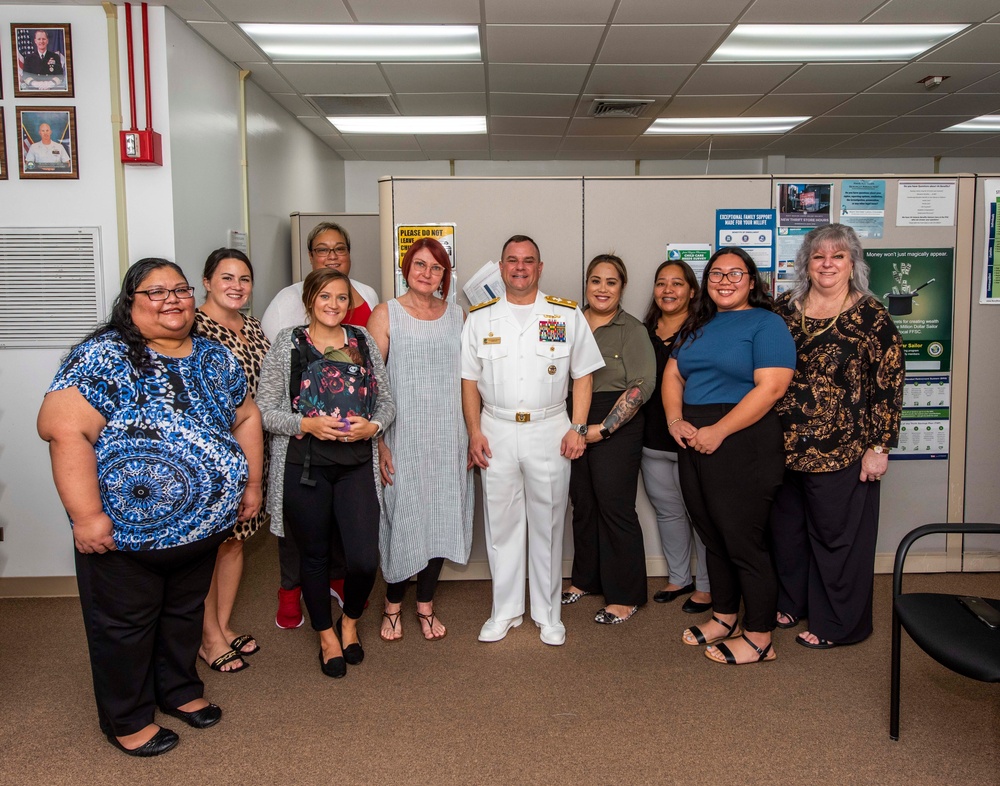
522	417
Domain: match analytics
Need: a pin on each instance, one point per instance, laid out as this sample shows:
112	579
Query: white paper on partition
485	284
926	203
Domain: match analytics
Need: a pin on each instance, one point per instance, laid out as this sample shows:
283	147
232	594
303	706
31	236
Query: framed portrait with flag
44	60
3	149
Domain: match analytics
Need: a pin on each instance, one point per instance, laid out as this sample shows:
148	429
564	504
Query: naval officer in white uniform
519	353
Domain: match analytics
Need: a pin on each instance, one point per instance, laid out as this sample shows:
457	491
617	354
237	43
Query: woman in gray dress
428	496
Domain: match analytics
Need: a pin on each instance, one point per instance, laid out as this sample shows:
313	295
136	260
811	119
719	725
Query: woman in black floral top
840	417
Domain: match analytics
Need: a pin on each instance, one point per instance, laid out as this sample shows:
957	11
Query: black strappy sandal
762	654
694	630
429	619
392	624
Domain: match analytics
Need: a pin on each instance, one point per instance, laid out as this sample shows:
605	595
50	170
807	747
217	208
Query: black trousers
344	500
290	561
824	526
729	494
427	581
143	613
609	557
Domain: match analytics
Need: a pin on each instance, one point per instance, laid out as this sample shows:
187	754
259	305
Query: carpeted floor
628	704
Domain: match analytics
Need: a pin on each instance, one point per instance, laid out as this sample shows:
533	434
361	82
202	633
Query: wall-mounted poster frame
3	148
52	155
43	59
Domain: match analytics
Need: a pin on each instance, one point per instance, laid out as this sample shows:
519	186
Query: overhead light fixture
725	125
366	43
409	125
830	43
984	124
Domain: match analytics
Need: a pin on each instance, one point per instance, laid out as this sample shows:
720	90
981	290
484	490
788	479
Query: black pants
609	557
427	581
143	613
729	494
343	500
824	527
290	561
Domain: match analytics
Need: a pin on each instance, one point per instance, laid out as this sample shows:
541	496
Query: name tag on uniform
552	330
491	340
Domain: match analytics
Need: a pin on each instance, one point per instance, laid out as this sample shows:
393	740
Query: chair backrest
933	529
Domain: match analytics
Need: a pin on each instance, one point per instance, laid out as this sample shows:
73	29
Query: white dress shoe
494	630
553	634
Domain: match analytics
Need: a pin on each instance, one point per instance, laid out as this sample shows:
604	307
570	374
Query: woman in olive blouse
840	416
609	557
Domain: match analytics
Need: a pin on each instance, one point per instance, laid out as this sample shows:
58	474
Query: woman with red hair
427	499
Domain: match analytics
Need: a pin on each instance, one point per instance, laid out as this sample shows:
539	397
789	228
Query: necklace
829	324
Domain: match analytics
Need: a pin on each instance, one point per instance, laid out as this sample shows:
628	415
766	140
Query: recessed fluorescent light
366	43
409	125
724	125
830	43
985	124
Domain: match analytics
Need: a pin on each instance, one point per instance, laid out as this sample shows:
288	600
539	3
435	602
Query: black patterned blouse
847	391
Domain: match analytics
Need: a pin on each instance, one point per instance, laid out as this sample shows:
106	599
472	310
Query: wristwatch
605	433
579	428
879	449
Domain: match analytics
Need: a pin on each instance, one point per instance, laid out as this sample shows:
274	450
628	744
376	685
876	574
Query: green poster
916	285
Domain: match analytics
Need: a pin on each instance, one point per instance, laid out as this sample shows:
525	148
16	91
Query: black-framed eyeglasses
182	293
736	276
338	251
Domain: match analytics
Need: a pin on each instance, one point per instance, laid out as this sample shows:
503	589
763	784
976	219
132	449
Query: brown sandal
392	623
429	620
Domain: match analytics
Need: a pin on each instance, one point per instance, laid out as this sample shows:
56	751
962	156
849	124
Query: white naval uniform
526	486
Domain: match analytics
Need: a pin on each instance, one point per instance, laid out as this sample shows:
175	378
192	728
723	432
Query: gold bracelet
675	420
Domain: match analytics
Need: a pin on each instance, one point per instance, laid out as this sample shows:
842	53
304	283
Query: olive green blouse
629	360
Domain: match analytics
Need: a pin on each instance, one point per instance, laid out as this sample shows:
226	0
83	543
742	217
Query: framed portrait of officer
43	58
47	149
3	148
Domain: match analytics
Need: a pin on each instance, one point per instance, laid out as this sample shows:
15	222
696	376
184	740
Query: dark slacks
608	554
143	613
344	500
427	581
824	526
290	561
728	494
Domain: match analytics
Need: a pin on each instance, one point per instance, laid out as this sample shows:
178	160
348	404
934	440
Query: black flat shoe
665	596
199	719
353	653
693	607
161	742
335	667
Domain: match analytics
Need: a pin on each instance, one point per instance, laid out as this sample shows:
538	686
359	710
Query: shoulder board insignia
484	304
560	301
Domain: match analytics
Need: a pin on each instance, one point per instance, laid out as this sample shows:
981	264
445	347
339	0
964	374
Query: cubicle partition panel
573	219
364	231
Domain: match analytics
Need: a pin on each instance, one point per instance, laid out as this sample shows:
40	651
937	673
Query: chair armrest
932	529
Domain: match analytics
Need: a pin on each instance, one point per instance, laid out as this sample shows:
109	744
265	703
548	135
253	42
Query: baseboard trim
38	587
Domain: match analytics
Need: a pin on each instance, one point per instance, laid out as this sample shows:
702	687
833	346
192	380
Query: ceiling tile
314	11
542	126
735	78
620	154
841	125
606	126
881	104
549	12
365	142
790	11
836	77
979	45
334	78
804	143
955	139
194	11
463	142
542	104
516	78
927	124
349	155
394	155
708	106
971	104
435	77
679	12
320	126
882	141
989	85
441	103
581	143
665	44
796	105
295	104
676	142
423	12
542	43
960	75
637	80
955	11
537	143
265	76
230	43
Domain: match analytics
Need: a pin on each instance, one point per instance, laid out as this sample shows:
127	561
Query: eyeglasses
182	293
736	276
436	270
337	251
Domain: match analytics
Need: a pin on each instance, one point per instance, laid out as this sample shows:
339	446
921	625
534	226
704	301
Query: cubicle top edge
761	176
325	213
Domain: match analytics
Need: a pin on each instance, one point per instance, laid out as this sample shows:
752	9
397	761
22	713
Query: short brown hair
317	281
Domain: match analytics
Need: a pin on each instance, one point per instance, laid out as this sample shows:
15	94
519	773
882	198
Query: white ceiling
544	61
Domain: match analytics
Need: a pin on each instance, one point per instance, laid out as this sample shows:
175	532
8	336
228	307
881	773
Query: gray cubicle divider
574	219
364	231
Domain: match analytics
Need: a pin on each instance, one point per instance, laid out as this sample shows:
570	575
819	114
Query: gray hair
327	226
839	236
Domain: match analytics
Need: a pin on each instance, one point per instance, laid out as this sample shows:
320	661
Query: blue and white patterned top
170	470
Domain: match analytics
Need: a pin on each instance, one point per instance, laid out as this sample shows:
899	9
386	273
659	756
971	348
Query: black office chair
940	625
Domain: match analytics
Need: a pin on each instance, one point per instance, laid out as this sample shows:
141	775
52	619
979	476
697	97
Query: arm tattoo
624	409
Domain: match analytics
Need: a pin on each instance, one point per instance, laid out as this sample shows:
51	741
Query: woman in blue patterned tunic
156	452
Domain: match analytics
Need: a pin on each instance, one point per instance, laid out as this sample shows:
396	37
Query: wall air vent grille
51	292
351	105
619	107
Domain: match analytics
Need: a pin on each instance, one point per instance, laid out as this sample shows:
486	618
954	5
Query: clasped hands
703	440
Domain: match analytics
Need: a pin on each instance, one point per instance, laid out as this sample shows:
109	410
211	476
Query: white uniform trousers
526	490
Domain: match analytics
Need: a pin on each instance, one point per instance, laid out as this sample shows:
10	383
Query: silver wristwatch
579	428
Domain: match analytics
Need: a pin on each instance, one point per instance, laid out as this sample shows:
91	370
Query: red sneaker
337	591
289	609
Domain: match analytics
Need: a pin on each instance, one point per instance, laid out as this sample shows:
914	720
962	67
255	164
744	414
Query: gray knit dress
427	512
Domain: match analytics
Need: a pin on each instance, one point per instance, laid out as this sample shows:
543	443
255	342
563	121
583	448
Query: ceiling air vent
619	107
341	106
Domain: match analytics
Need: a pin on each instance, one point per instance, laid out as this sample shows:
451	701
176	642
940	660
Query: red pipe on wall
131	67
145	67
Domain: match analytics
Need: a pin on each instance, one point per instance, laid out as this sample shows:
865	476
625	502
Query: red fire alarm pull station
140	146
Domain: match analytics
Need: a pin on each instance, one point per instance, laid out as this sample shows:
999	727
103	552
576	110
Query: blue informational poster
862	206
751	230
